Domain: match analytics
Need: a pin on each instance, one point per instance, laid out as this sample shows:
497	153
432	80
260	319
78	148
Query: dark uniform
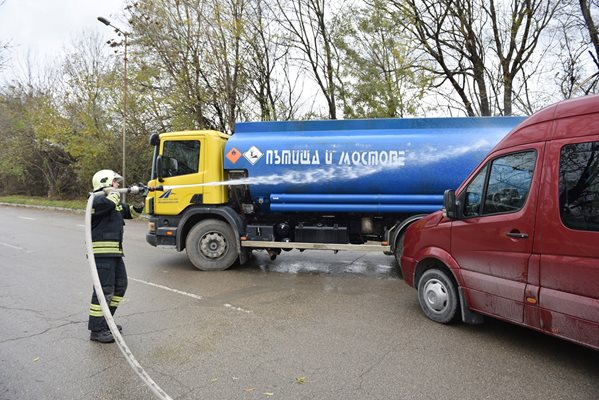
107	242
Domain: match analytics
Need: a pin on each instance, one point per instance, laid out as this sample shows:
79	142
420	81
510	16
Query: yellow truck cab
189	211
187	160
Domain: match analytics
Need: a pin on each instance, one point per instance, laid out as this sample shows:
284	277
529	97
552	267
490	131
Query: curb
73	210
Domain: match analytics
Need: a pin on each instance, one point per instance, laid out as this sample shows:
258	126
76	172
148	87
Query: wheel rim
213	245
436	296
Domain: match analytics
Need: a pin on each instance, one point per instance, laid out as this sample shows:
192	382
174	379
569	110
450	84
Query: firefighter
108	217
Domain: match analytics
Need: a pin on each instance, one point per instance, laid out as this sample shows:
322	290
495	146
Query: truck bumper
158	240
151	239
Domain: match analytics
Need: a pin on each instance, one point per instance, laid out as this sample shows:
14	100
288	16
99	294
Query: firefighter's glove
115	197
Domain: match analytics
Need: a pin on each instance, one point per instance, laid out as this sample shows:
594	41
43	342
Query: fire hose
161	394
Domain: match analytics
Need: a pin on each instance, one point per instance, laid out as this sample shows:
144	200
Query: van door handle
517	235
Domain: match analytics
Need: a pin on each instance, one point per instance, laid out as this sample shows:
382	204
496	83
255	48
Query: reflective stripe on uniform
115	301
107	248
95	310
119	207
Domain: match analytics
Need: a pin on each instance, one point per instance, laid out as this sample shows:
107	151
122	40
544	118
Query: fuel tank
374	166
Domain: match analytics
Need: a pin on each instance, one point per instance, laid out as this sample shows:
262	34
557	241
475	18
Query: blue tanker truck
325	185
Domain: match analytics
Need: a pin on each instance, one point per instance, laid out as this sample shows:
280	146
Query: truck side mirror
159	166
155	139
450	204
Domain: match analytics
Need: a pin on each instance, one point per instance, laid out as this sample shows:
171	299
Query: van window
579	186
501	187
180	157
474	194
509	182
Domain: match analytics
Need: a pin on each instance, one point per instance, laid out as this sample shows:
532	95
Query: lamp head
104	20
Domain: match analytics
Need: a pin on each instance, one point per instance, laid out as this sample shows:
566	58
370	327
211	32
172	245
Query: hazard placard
233	155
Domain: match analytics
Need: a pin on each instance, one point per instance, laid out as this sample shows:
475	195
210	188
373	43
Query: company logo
233	155
166	194
253	155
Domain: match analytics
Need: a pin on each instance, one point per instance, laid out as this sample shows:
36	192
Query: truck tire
399	249
438	296
211	245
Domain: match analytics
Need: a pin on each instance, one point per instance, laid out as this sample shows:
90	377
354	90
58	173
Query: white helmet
104	179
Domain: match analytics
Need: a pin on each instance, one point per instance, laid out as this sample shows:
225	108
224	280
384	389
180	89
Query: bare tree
225	34
308	26
4	46
467	38
268	66
586	8
577	70
517	33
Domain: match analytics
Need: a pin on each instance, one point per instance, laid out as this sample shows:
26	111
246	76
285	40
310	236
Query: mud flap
468	316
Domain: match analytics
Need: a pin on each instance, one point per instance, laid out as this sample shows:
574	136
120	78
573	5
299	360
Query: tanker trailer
325	185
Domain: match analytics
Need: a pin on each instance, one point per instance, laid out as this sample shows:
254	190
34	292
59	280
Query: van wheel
211	245
438	296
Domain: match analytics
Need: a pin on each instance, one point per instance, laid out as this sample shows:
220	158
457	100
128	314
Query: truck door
493	242
181	165
569	245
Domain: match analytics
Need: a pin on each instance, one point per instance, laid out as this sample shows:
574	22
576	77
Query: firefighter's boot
101	336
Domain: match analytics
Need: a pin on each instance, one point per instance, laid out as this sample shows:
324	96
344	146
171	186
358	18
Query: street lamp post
125	35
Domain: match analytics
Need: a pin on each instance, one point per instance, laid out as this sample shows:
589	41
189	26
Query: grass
44	202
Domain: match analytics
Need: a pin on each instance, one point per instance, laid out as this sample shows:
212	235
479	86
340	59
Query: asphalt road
310	325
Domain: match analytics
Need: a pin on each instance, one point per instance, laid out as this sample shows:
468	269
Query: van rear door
568	224
493	242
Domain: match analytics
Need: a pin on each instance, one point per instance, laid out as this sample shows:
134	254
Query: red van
519	239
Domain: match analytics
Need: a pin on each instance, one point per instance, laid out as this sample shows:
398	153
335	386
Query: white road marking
11	246
194	296
28	218
237	308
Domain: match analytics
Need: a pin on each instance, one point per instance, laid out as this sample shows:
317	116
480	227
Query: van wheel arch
397	234
438	291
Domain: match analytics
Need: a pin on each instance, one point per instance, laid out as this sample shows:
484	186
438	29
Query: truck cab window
506	187
579	186
180	157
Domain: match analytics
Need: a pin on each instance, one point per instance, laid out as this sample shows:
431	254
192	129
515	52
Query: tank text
395	158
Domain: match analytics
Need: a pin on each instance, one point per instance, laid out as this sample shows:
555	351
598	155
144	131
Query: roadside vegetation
44	202
206	64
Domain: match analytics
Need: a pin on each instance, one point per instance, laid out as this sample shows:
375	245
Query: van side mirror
450	204
159	166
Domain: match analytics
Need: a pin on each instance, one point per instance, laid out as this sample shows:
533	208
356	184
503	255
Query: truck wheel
211	245
438	296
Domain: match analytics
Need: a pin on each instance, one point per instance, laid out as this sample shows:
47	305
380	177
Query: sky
40	29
